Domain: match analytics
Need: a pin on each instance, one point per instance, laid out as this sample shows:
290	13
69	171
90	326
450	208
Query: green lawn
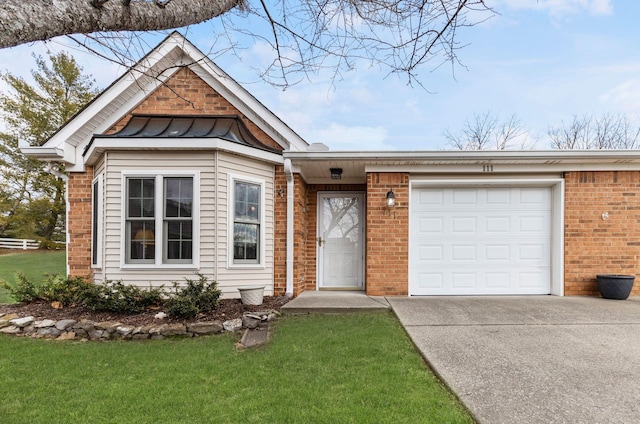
354	368
33	265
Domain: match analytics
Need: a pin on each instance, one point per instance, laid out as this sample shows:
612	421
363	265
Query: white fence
9	243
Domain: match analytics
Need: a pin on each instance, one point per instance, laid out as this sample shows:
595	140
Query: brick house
176	169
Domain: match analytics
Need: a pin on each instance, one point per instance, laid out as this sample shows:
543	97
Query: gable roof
172	54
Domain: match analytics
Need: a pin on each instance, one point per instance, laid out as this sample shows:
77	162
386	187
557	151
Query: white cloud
625	97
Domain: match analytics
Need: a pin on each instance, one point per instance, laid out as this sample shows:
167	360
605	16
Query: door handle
320	241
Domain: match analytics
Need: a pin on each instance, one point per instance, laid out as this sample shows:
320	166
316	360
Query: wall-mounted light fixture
391	199
336	173
391	203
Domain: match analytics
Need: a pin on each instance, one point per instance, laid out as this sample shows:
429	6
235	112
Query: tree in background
32	201
488	132
607	131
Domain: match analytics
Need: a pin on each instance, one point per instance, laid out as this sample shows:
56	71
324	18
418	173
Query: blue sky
542	60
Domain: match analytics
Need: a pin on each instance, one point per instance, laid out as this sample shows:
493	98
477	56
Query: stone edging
69	329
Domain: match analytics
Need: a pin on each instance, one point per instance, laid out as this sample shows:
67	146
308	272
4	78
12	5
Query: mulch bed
227	309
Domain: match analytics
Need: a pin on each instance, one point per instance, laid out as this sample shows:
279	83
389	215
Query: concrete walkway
535	359
331	302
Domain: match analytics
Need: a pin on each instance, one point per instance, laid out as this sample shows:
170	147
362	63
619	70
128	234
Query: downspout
290	203
52	169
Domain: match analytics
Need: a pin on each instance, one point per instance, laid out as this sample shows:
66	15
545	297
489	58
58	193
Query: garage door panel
463	280
466	197
464	225
480	241
430	253
535	196
431	226
497	224
497	253
498	197
497	280
463	253
430	198
431	280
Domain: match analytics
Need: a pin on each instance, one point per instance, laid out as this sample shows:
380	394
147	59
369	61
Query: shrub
181	307
119	297
72	291
23	291
195	297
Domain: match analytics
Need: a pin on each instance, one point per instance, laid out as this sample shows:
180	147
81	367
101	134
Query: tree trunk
23	21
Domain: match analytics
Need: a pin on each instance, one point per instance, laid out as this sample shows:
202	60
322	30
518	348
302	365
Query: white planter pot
251	295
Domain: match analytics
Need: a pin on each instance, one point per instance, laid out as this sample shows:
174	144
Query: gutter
290	222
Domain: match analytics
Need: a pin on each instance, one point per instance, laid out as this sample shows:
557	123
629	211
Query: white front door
340	240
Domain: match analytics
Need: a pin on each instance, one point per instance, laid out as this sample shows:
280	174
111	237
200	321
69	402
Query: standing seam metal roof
230	128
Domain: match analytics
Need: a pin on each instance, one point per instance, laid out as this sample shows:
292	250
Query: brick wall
301	228
387	259
600	246
79	223
280	232
187	94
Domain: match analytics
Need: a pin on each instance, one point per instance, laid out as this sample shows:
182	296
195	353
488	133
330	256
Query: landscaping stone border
68	329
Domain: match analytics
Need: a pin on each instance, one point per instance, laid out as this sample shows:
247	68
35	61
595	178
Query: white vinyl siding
99	174
231	276
210	235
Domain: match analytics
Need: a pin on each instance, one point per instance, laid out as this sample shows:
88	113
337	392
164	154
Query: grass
33	264
358	368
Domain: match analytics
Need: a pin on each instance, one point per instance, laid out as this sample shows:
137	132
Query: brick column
79	224
280	233
387	259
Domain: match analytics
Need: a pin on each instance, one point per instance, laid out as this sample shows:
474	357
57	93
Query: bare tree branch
305	36
486	132
23	21
607	131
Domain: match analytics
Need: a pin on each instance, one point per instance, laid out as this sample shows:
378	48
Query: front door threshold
341	289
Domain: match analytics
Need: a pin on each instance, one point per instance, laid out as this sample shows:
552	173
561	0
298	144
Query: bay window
159	219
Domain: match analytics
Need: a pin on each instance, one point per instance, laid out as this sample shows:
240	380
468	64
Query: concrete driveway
532	359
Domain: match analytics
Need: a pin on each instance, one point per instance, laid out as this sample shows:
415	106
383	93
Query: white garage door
475	241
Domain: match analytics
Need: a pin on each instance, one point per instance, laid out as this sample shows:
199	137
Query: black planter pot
615	286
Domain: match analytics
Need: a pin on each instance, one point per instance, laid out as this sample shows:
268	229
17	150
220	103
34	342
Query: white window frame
159	262
96	220
232	179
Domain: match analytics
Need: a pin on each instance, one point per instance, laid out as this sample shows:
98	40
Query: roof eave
47	154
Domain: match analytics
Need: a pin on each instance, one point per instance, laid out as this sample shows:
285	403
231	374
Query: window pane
178	197
140	202
149	185
252	211
142	244
149	208
187	250
245	241
247	202
135	208
94	241
241	210
135	187
253	193
179	240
